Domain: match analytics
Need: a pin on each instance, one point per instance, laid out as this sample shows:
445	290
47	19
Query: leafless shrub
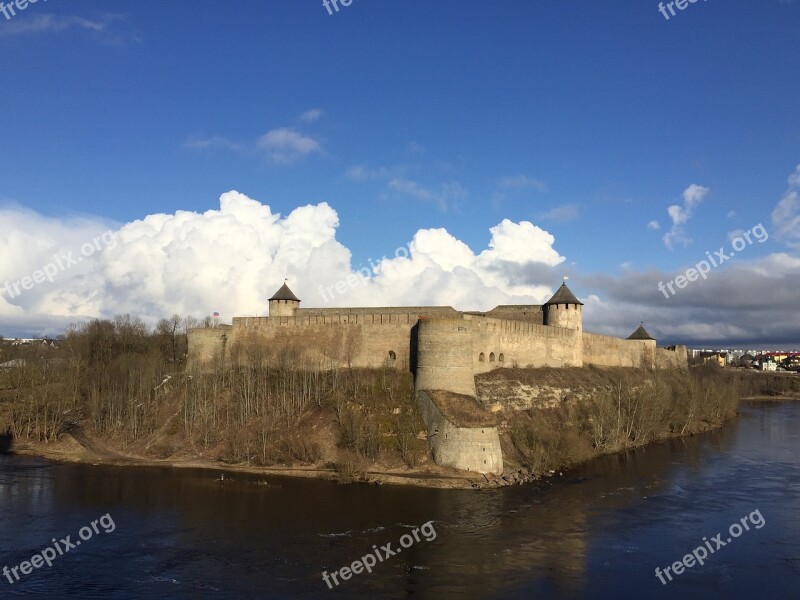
302	448
351	466
619	409
358	432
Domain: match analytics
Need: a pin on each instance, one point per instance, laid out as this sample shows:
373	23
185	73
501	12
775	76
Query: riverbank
68	449
549	420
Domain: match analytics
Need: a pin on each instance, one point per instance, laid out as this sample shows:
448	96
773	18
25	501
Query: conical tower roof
641	334
563	296
285	294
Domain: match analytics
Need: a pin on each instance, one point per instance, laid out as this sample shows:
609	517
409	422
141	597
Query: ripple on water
351	532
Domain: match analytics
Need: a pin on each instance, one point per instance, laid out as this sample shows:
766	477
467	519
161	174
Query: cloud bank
233	258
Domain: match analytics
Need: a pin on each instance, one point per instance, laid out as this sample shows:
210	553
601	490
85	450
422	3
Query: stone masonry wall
523	344
207	344
360	338
607	351
444	356
469	449
672	359
356	340
368	312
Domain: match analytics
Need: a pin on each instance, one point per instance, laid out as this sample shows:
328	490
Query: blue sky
587	119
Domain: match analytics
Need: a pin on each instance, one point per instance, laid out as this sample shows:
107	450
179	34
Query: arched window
491	357
482	357
392	355
501	358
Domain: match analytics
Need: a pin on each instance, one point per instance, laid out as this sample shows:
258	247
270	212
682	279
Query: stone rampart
675	357
500	342
361	341
607	351
206	345
415	311
466	448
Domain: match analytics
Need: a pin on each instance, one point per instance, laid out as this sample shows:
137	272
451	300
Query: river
599	531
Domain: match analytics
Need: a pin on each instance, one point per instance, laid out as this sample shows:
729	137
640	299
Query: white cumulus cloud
232	259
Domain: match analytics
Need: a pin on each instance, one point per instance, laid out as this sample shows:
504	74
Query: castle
444	348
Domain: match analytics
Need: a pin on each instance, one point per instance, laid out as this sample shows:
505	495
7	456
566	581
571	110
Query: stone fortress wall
445	348
375	337
207	344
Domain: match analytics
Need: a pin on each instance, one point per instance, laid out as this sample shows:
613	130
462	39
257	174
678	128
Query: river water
597	532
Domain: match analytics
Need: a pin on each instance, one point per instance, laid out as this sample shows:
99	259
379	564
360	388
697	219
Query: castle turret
564	310
284	303
641	334
649	346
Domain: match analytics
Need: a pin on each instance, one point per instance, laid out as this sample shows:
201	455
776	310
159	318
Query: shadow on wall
412	350
6	441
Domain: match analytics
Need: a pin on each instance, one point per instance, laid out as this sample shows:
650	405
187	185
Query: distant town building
768	365
43	342
717	358
747	360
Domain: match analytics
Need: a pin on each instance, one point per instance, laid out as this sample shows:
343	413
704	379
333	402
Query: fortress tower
564	310
648	343
284	303
461	432
444	356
